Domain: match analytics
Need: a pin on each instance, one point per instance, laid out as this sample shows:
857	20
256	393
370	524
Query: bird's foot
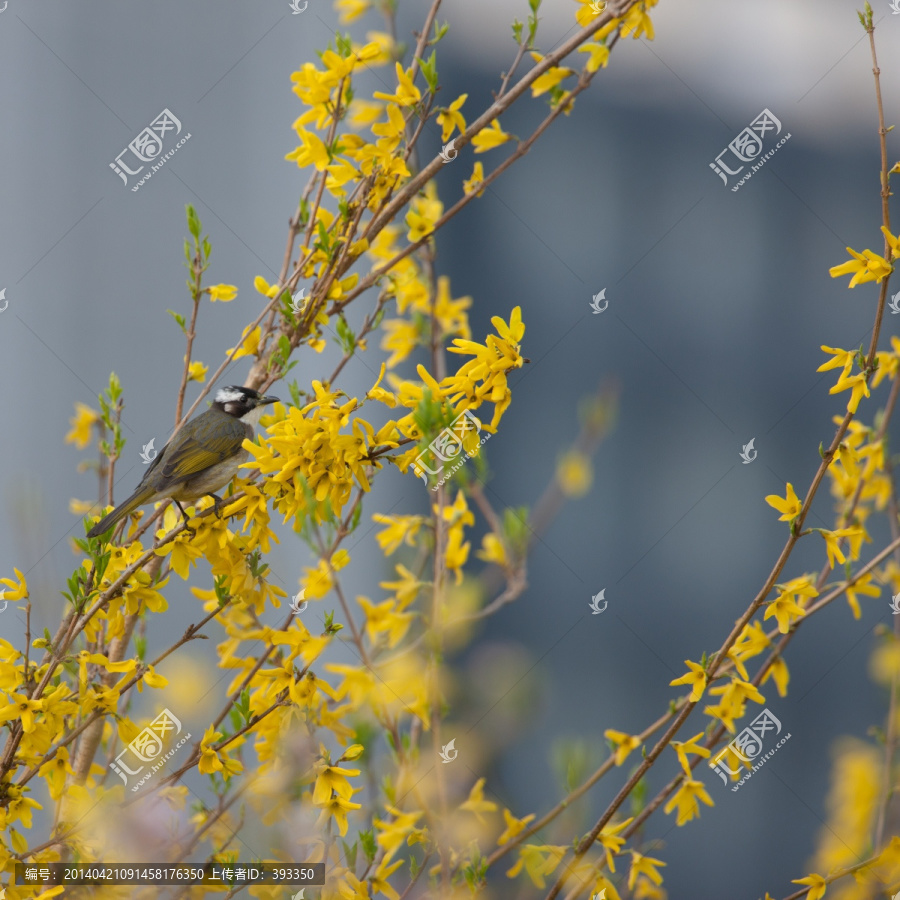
184	515
218	502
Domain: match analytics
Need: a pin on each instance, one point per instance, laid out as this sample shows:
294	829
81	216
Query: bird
203	457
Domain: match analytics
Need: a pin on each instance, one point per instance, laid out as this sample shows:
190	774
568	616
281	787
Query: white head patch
227	395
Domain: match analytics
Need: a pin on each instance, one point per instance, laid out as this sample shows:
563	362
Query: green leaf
367	839
429	71
179	319
346	337
193	222
440	29
350	854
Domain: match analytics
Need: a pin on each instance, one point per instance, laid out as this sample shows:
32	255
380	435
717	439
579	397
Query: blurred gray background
718	302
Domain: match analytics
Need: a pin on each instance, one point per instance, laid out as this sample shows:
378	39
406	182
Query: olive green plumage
203	456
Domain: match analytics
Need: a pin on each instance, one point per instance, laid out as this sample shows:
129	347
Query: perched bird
202	457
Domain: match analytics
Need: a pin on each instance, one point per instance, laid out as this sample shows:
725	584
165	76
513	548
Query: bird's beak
266	400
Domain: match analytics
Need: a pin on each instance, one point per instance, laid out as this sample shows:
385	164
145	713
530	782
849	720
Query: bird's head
241	402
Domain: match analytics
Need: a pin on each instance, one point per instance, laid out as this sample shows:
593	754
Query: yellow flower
865	266
685	798
574	474
644	865
473	185
612	843
682	748
549	79
696	677
380	876
624	743
406	587
599	56
197	371
450	117
223	292
407	93
637	20
778	672
311	150
400	530
264	288
786	611
491	136
476	803
862	585
212	760
817	885
249	344
859	388
19	586
385	48
492	550
81	423
337	808
424	212
351	10
23	709
332	778
513	826
832	548
884	664
789	507
538	860
384	618
391	835
839	358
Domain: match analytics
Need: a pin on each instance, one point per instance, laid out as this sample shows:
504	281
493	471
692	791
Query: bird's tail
138	498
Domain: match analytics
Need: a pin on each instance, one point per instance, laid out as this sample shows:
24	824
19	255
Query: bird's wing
194	455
